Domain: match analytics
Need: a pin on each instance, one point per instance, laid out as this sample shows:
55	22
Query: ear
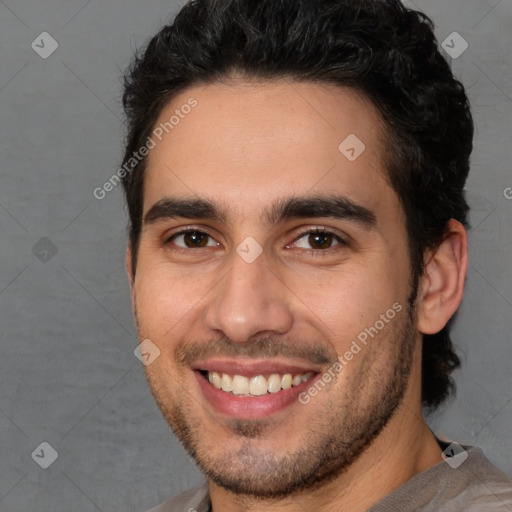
442	284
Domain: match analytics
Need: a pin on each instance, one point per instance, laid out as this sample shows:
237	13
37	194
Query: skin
245	146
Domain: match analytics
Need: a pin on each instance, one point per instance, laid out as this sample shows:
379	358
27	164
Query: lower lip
244	407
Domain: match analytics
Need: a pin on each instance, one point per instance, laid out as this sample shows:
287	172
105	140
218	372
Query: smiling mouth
257	385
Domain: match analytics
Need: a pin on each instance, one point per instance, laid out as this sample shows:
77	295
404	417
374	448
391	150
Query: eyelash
313	252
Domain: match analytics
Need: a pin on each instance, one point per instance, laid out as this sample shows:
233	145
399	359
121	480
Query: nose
250	300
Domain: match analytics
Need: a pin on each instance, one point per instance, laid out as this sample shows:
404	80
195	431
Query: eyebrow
332	206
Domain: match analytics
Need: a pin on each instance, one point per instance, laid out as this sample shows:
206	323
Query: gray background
68	375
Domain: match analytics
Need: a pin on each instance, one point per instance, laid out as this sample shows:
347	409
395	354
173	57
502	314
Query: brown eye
320	240
192	239
317	240
195	239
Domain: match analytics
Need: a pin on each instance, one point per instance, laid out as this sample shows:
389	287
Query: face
273	275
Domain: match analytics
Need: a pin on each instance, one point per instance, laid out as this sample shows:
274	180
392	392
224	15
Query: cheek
164	299
350	301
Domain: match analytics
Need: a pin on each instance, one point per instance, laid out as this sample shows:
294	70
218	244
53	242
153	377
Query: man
294	173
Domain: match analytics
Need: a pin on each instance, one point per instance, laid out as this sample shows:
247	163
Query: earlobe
442	284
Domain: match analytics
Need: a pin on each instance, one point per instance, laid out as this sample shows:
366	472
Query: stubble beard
341	431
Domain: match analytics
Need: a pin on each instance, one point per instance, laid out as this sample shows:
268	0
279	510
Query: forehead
243	144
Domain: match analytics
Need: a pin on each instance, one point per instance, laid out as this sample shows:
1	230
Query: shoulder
470	484
484	484
196	499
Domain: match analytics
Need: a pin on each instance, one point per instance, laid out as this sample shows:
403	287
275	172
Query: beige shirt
474	486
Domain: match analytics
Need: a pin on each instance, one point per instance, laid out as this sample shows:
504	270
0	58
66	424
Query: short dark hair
380	48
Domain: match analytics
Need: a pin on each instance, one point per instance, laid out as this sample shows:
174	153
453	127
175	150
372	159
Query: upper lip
251	367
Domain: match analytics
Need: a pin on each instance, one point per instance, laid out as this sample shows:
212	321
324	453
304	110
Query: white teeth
226	382
214	379
296	380
274	383
240	385
257	385
286	381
